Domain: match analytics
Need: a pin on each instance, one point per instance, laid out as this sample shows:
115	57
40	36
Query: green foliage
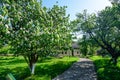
33	30
105	70
5	49
103	28
114	1
87	46
81	25
45	70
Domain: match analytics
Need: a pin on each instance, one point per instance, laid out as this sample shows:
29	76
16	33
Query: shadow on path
81	70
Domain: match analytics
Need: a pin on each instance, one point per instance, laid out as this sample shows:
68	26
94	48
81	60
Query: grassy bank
106	70
45	69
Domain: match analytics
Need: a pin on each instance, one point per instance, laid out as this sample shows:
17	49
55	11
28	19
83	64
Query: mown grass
45	69
106	70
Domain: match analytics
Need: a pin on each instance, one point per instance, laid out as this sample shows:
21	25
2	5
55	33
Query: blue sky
77	6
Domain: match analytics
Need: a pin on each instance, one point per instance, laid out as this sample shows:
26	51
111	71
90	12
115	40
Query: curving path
81	70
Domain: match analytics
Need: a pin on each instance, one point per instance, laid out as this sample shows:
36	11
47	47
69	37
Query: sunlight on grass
45	69
106	70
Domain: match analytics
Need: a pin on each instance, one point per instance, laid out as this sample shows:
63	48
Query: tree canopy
33	30
103	28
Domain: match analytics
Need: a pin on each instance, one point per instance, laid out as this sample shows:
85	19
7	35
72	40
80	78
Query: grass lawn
45	70
105	70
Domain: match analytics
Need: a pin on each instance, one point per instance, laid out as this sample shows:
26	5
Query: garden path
81	70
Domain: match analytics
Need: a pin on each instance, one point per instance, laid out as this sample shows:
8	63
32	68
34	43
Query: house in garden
74	51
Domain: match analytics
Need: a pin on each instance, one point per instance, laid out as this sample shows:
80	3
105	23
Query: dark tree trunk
33	60
113	53
72	52
106	45
113	60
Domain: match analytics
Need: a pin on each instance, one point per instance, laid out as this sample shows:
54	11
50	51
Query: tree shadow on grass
3	73
16	61
6	58
52	70
10	61
106	70
19	73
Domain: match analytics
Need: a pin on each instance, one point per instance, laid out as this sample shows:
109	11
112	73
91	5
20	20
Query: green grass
45	69
106	70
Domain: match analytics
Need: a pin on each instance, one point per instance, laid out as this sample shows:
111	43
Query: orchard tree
103	28
109	28
34	31
83	45
87	45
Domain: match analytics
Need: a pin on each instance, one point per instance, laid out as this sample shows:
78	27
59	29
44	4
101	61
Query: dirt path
81	70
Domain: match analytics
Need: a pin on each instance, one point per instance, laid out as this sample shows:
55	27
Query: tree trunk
32	68
72	52
114	60
106	45
31	60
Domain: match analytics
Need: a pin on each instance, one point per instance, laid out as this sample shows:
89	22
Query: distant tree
86	43
87	46
83	45
33	31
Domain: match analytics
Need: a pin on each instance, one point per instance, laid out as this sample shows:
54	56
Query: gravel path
81	70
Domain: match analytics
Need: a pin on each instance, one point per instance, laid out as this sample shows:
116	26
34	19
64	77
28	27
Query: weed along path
81	70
